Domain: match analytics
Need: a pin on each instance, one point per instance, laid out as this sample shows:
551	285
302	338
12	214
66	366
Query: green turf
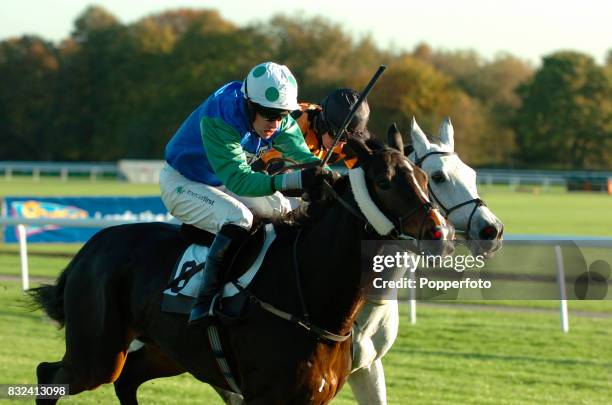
449	357
27	338
43	248
55	187
44	260
551	213
38	266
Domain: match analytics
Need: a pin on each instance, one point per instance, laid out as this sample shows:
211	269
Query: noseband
372	216
427	207
478	202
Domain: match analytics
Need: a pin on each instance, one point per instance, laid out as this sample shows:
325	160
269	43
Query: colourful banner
115	208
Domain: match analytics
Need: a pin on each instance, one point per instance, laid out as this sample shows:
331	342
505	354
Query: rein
369	213
301	322
304	321
369	228
478	202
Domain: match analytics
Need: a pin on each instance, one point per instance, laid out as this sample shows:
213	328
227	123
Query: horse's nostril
488	233
436	234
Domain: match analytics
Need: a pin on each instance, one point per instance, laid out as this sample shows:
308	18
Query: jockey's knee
242	217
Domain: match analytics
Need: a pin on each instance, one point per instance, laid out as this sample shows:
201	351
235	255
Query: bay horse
111	292
452	185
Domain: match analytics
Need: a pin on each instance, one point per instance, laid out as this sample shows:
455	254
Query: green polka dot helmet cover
271	85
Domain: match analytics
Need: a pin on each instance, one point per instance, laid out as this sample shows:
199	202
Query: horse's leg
368	384
44	375
143	365
77	379
91	369
149	363
97	338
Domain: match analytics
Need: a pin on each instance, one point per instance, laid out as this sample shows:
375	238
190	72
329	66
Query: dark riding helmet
335	108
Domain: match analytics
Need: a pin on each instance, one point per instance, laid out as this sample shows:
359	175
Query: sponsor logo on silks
42	209
179	190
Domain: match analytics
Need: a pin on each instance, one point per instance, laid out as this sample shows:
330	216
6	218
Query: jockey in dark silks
208	182
320	124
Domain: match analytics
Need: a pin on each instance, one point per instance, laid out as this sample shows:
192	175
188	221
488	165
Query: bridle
478	202
395	233
396	221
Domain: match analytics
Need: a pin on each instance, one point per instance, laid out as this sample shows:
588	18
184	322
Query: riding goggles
271	114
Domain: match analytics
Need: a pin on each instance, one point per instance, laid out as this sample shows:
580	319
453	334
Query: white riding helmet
271	85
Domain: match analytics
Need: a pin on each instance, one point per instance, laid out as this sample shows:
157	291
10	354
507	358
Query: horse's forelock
415	178
395	158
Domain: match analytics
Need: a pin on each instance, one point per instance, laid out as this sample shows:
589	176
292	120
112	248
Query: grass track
451	356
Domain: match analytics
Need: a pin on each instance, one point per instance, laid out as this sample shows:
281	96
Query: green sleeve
290	142
228	160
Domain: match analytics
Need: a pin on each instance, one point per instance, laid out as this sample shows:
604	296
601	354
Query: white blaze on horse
452	185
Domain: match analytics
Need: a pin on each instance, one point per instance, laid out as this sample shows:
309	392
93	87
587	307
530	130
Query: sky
528	29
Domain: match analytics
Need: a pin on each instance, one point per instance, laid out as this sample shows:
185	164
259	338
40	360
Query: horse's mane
376	144
308	213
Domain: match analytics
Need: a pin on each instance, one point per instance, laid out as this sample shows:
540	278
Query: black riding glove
314	176
307	178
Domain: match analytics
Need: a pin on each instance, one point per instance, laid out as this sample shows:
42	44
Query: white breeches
209	208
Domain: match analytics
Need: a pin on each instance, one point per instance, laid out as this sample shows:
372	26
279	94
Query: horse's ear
447	134
419	139
358	147
408	147
394	138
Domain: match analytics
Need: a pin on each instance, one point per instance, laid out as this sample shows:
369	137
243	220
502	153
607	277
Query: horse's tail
50	298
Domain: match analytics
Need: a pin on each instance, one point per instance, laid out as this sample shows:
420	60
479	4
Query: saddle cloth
188	274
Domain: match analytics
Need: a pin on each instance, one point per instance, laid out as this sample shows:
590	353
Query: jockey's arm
228	160
291	142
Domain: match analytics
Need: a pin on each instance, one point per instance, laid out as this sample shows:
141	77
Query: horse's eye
438	177
383	183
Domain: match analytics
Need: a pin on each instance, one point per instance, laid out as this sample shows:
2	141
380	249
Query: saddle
233	304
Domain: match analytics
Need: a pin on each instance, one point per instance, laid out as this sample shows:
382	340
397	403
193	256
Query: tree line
112	90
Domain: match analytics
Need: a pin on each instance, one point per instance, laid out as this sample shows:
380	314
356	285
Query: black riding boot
222	251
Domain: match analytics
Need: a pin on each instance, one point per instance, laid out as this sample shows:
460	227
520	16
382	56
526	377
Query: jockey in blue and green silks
207	180
321	123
